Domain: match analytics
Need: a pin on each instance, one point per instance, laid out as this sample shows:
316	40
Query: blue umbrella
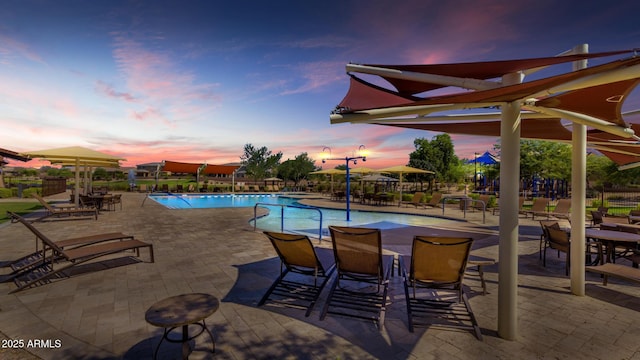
485	159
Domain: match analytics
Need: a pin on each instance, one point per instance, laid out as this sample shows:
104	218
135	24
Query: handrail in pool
466	200
169	194
282	206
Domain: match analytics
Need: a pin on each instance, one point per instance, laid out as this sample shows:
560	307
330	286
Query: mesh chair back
439	259
357	250
294	250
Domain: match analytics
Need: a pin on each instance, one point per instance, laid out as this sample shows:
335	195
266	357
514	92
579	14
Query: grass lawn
20	208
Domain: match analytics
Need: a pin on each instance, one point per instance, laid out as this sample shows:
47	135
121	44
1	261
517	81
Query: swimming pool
285	213
208	201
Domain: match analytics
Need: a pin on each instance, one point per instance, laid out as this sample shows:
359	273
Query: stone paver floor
100	314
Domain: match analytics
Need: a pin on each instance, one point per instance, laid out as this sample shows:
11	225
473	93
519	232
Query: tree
259	163
545	159
296	169
437	155
100	174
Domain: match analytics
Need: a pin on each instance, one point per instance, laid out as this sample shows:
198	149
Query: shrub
6	193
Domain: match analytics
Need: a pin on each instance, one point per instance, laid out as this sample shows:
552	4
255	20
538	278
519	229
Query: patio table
181	311
610	238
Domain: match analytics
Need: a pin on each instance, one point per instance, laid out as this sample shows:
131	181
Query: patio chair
415	201
633	216
360	287
544	237
435	200
66	212
521	210
539	208
433	289
596	218
297	256
558	240
58	261
110	201
562	210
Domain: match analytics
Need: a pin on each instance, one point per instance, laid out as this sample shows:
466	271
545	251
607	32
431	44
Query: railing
465	200
282	206
169	194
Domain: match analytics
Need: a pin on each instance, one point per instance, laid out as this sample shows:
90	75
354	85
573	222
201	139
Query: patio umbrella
76	156
403	169
331	172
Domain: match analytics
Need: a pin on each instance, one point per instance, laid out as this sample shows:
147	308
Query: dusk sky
194	81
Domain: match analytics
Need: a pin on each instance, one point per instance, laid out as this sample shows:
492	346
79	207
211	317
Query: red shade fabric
191	168
478	70
599	101
180	167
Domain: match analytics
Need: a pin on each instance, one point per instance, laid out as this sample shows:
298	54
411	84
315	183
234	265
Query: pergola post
509	187
578	194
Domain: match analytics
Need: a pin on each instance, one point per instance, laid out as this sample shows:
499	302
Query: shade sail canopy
196	168
330	172
361	170
76	156
403	169
13	155
592	96
73	153
485	159
180	167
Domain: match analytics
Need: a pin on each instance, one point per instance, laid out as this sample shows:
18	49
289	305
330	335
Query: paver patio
100	314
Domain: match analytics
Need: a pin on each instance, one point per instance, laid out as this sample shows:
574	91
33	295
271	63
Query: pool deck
100	314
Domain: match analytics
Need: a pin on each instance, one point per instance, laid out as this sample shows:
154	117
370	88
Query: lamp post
475	171
326	155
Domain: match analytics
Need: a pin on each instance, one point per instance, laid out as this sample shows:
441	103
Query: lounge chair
482	203
179	188
143	188
415	201
56	260
298	256
27	262
539	208
359	260
562	210
520	207
433	289
66	212
435	200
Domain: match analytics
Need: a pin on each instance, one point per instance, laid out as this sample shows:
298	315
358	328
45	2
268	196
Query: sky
194	81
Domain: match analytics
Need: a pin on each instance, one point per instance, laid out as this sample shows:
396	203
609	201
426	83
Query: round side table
182	311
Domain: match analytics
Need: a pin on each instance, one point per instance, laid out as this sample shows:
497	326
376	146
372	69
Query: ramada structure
582	107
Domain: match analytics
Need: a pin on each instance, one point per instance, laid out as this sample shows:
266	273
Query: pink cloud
108	90
12	50
153	78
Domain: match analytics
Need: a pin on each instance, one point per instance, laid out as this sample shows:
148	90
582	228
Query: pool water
185	201
294	217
